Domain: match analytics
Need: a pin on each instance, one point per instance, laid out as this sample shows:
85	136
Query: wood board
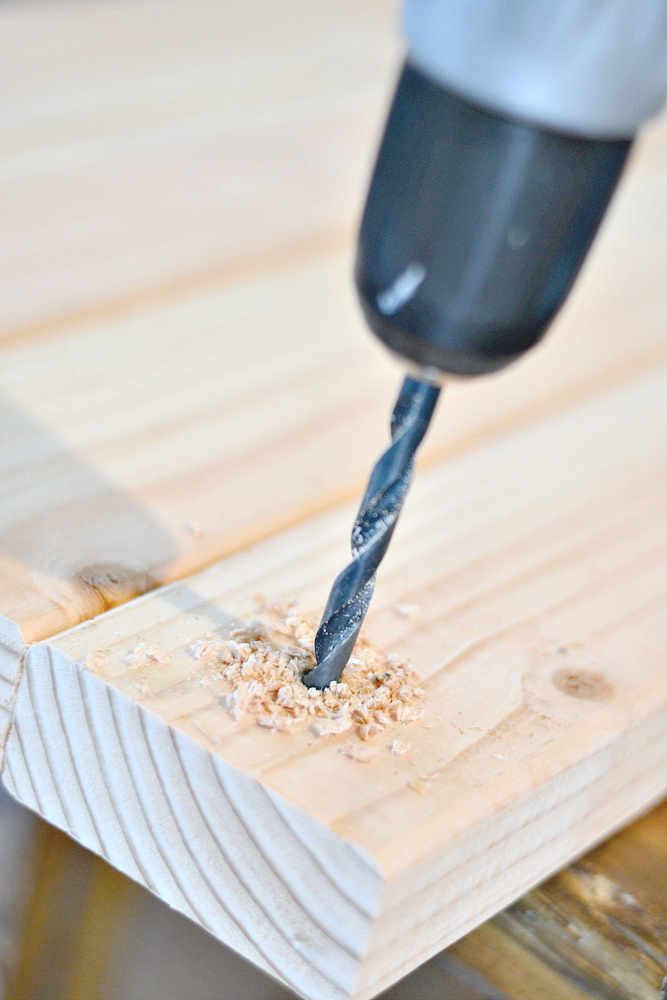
144	370
537	569
137	151
121	941
149	148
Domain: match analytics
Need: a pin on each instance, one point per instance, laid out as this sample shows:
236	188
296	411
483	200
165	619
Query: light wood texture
121	941
173	178
535	562
148	146
183	367
596	932
11	661
210	841
184	374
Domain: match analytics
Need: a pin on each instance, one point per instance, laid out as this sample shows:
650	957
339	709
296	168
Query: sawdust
264	660
144	655
423	783
94	661
365	755
407	610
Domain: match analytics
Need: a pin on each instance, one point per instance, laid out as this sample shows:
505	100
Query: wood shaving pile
264	660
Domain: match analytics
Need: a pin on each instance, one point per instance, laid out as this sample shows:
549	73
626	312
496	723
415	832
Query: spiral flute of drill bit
353	588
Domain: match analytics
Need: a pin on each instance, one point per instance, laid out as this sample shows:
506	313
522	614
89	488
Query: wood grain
143	152
122	941
284	892
184	375
12	648
537	569
189	372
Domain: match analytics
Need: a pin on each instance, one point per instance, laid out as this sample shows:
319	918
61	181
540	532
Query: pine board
185	374
184	370
121	941
540	554
148	146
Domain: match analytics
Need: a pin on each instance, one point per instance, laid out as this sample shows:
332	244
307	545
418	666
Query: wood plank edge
12	649
269	881
537	836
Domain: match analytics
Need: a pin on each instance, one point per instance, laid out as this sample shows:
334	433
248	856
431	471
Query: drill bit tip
374	525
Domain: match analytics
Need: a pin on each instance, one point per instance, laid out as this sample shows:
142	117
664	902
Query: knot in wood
106	585
582	684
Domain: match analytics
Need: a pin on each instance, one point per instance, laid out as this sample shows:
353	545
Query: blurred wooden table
169	173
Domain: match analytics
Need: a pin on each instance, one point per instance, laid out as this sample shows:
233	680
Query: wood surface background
185	371
177	309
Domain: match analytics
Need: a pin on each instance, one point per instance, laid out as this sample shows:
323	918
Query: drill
508	132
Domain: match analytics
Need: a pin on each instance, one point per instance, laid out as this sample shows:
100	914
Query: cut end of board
12	648
213	843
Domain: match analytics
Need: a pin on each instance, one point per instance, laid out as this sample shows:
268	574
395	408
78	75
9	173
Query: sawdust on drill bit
263	662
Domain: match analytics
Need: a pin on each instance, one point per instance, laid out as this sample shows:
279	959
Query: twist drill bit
353	588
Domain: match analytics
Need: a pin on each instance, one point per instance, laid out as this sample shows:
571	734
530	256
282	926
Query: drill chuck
475	228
